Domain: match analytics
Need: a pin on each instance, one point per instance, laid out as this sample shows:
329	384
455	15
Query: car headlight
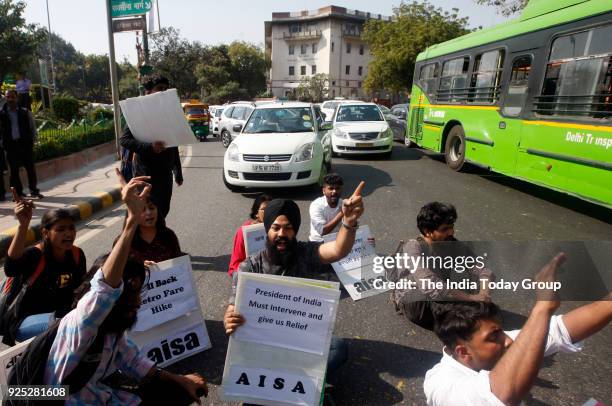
385	133
232	153
305	152
341	134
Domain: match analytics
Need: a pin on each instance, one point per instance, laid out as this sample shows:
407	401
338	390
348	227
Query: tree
505	7
395	45
314	89
18	40
248	65
128	80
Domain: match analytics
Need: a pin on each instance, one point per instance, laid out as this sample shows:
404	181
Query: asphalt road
388	356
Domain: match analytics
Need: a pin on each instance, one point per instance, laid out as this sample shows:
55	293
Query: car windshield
218	112
195	111
359	113
329	105
280	120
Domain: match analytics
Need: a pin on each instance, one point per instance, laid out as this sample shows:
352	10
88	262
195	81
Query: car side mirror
237	128
327	126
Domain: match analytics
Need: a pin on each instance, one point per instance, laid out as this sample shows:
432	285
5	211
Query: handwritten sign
254	238
9	357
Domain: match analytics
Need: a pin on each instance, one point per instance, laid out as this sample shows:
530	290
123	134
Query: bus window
484	86
428	76
517	87
453	81
578	80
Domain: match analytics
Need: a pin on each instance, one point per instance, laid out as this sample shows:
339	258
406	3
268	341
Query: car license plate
363	145
267	167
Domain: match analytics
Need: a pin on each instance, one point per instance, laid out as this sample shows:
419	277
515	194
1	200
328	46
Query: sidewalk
85	191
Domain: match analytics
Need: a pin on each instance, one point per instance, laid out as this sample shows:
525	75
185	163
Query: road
388	356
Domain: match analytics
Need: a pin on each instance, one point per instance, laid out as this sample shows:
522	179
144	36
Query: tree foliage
314	89
395	45
505	7
18	40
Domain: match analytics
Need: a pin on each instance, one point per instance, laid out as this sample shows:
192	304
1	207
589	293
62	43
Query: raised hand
547	275
134	199
23	209
352	208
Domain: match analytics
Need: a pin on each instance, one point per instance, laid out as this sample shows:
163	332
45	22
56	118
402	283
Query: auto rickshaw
197	116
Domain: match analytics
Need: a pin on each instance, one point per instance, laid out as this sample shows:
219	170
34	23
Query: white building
328	40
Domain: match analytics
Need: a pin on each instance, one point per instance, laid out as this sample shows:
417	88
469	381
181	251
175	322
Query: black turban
282	207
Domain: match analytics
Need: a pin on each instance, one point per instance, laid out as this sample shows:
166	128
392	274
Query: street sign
125	8
129	24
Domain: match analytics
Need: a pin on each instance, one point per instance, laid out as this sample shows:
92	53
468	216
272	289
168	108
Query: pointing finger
16	197
359	189
122	181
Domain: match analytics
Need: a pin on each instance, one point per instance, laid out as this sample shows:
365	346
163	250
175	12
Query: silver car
234	113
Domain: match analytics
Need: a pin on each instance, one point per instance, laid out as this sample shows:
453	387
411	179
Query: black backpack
29	369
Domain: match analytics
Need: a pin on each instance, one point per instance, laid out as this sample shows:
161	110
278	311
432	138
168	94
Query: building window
291	49
348	47
361	49
333	92
348	83
332	46
303	49
303	70
333	83
314	48
347	69
291	70
313	69
358	84
294	28
360	70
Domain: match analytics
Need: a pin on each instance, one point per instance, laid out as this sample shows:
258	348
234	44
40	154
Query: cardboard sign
9	357
279	356
254	238
157	117
356	270
170	324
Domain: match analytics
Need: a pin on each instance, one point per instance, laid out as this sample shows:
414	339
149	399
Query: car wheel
230	187
408	142
226	138
454	149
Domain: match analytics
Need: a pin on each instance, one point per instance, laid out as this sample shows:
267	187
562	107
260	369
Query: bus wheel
454	150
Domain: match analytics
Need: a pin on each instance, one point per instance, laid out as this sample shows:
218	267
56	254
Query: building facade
328	40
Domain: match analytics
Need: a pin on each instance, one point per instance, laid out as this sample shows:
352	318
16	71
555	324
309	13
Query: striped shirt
75	334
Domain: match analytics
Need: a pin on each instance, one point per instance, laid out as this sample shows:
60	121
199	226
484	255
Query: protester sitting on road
256	217
154	241
154	159
286	256
436	222
325	211
483	365
92	336
59	264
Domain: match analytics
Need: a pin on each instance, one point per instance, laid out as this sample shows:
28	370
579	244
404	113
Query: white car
215	118
282	144
329	107
234	113
361	128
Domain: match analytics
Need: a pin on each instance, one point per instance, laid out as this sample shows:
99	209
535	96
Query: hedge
65	108
56	143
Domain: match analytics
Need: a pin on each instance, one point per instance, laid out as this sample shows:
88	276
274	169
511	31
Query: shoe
37	195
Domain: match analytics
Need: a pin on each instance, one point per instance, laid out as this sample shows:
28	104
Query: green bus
530	98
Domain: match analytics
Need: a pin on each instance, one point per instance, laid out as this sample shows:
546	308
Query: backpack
29	369
14	290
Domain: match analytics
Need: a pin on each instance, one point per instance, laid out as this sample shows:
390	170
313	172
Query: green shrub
65	108
99	114
55	143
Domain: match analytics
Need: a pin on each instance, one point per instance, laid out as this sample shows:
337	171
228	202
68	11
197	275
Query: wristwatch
350	228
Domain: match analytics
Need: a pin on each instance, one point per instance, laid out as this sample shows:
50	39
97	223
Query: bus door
510	126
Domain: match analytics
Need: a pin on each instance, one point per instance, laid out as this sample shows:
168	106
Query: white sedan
360	128
281	144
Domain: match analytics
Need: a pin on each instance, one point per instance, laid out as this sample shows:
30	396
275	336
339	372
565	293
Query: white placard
169	293
271	355
254	236
157	117
356	270
270	384
9	357
297	319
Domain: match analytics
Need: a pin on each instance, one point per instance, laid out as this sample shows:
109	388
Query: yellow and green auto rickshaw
197	116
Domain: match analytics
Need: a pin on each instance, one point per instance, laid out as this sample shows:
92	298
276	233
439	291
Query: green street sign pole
113	72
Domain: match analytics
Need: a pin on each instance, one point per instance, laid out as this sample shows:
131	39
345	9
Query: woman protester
52	269
239	251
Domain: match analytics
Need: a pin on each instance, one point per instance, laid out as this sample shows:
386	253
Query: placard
254	236
9	357
157	117
280	367
356	270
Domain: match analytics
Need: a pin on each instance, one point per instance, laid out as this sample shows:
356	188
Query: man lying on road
483	365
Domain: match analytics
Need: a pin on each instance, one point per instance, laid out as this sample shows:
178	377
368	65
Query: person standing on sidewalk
154	159
23	86
18	136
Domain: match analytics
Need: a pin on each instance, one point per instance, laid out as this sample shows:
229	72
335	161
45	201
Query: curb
81	210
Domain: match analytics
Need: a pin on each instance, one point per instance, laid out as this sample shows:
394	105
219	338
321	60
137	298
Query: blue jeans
34	325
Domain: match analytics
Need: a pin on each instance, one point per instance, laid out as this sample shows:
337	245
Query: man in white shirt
325	211
483	365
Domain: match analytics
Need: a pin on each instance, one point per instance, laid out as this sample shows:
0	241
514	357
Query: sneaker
37	195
